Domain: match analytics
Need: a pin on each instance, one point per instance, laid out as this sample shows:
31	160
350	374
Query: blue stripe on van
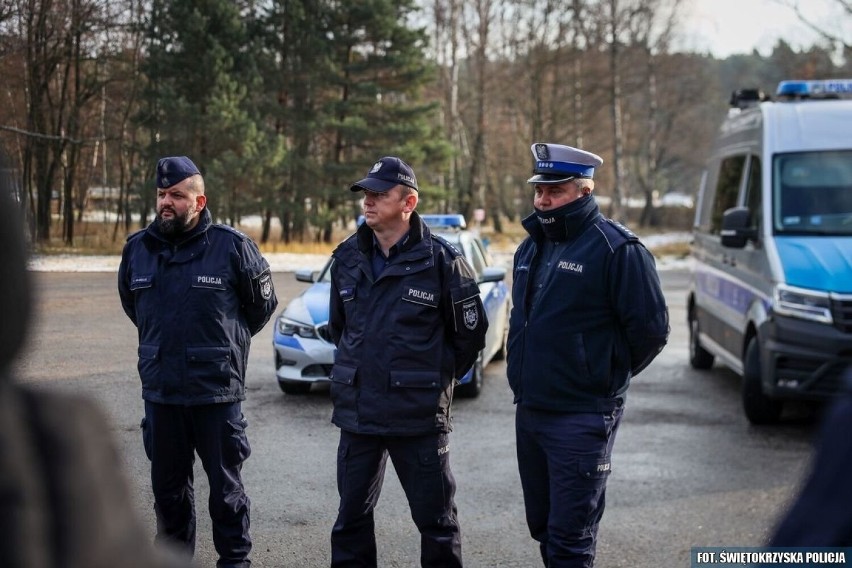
720	287
818	263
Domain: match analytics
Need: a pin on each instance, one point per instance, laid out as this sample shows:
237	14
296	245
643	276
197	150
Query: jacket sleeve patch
265	285
468	312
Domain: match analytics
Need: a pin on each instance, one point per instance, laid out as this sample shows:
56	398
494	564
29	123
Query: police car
304	353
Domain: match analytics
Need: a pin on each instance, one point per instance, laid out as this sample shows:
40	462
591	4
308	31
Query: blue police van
771	290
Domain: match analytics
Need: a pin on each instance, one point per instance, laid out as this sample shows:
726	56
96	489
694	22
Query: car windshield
813	193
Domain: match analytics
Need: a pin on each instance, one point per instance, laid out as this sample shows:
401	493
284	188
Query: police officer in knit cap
407	320
197	292
588	314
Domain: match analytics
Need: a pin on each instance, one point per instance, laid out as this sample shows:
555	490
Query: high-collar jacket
598	319
404	337
196	303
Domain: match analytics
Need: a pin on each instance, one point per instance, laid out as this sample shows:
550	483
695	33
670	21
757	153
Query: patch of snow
290	262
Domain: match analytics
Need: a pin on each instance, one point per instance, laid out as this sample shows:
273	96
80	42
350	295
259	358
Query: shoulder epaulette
135	234
623	230
448	245
615	233
230	229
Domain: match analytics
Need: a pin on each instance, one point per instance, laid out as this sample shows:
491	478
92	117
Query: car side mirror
492	274
306	275
736	228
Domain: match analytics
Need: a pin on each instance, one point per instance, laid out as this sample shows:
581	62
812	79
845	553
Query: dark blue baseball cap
174	170
386	174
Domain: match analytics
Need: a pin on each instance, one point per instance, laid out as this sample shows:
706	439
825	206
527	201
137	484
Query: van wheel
699	357
759	408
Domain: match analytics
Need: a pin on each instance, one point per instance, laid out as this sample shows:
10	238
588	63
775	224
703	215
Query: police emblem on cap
541	151
376	167
470	315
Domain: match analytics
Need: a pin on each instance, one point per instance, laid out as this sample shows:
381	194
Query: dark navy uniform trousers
564	463
422	464
172	435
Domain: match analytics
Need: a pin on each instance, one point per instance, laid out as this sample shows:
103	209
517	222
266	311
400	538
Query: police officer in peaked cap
407	320
197	291
588	315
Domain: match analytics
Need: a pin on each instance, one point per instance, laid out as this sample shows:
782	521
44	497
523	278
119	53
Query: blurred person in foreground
588	314
407	320
820	514
197	291
64	498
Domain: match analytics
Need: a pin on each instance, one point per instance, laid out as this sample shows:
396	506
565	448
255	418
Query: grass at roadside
92	238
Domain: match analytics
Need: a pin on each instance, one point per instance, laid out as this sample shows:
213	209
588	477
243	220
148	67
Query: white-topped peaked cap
557	163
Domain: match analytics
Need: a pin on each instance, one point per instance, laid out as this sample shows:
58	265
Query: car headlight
802	303
291	327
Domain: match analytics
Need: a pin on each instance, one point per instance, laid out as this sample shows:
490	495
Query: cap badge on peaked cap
557	163
386	174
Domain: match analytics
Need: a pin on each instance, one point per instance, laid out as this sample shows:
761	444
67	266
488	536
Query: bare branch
75	141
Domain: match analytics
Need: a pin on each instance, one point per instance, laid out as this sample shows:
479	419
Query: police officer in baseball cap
407	320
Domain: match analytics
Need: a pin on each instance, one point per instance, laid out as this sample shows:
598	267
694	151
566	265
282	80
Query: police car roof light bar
449	221
824	89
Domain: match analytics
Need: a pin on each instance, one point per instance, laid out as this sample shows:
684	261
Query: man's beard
174	226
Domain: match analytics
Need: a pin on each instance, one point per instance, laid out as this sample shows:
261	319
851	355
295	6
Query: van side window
753	194
727	189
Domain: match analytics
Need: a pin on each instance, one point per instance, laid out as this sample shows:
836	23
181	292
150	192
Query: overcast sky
726	27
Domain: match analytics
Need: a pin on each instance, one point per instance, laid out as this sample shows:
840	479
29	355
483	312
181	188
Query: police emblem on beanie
557	163
386	174
173	170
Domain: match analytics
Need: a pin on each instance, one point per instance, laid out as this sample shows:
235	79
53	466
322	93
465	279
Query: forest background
284	103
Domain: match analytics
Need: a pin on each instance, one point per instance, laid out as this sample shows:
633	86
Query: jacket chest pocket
142	286
201	282
208	293
418	304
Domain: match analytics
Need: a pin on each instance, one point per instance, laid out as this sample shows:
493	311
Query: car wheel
699	357
474	387
759	408
294	387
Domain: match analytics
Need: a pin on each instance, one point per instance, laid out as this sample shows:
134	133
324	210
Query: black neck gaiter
563	223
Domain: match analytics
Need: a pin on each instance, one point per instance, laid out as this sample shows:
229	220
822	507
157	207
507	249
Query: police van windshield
813	193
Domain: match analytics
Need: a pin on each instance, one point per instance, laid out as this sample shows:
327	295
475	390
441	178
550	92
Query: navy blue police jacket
196	303
600	320
403	338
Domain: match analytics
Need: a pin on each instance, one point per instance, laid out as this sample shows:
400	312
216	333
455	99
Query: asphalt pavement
688	469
